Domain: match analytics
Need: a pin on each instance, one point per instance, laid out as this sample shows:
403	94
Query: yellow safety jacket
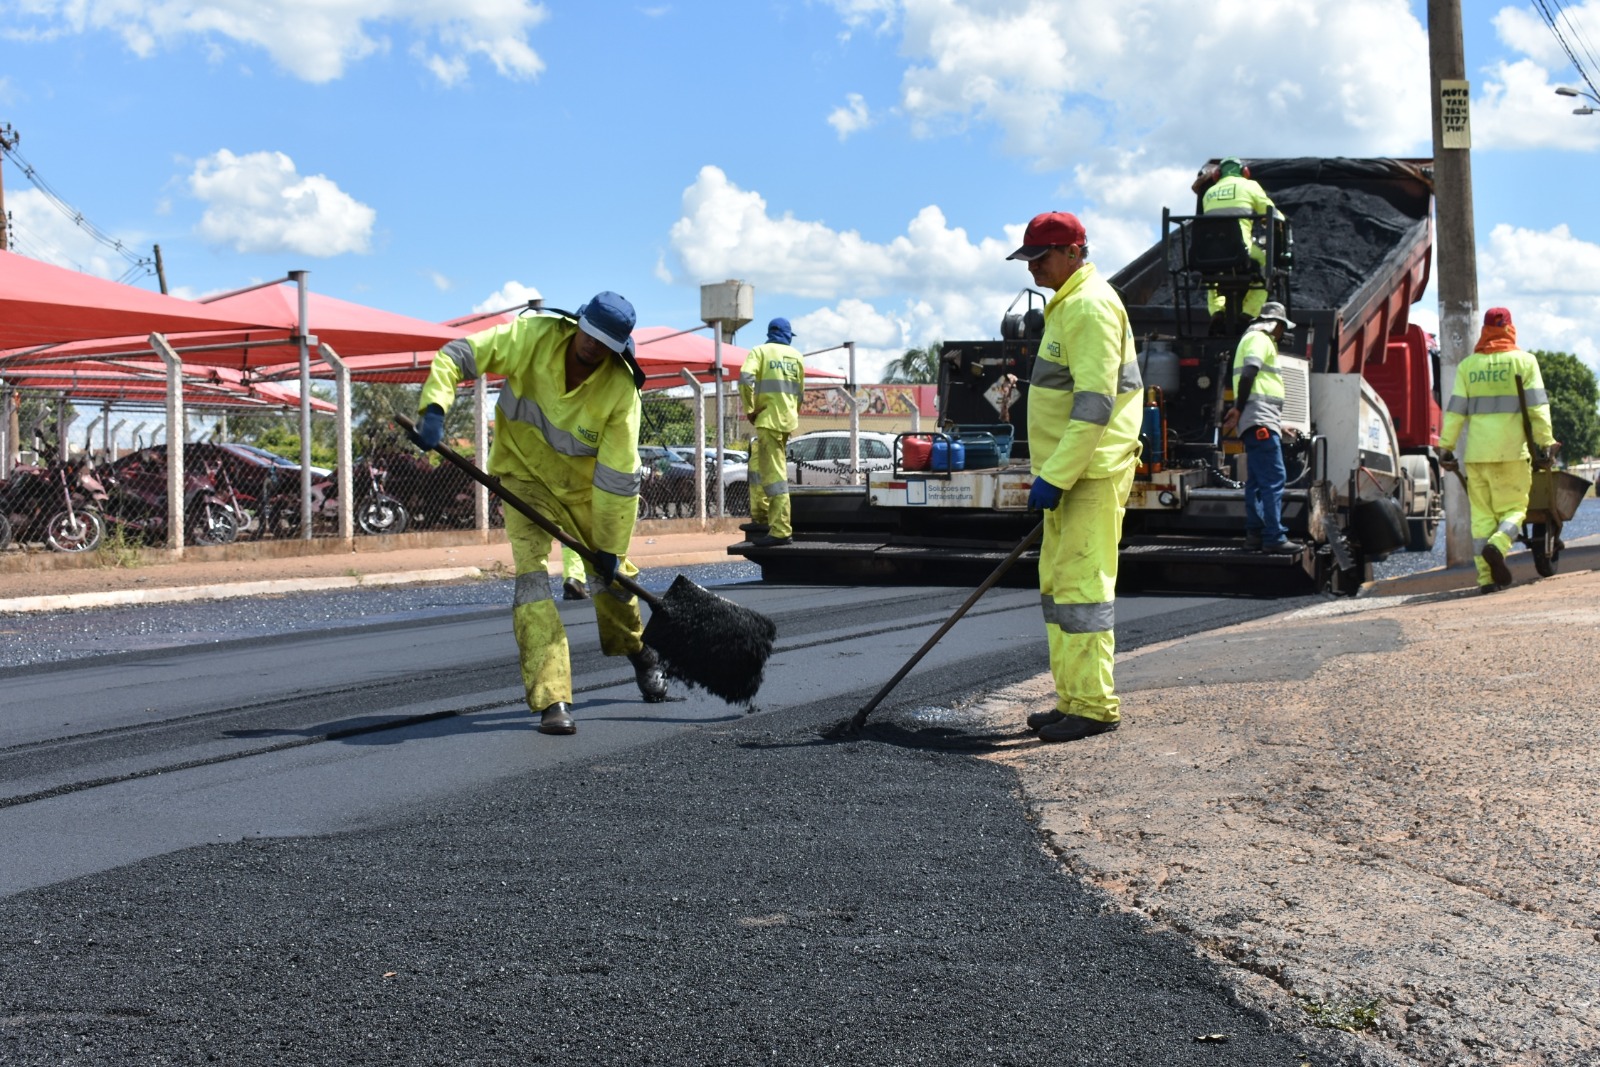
1264	407
583	444
1084	397
1485	392
1238	193
771	385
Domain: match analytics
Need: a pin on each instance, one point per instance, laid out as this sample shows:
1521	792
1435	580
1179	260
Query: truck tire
1421	534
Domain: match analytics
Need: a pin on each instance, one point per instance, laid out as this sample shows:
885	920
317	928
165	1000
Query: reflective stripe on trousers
541	639
1498	493
1077	586
769	482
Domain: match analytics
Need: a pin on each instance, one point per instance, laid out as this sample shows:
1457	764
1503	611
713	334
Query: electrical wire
137	263
1553	19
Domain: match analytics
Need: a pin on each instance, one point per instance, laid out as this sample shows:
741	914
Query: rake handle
493	484
988	583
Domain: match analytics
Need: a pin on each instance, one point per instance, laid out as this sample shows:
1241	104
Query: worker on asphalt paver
567	442
1485	403
1235	192
1083	434
1257	414
771	386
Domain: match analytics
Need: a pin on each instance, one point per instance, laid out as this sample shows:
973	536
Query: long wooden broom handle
494	486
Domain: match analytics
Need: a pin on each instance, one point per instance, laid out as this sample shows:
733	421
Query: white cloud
440	281
1516	105
852	117
858	14
315	40
508	295
931	282
1547	279
1273	78
259	203
43	232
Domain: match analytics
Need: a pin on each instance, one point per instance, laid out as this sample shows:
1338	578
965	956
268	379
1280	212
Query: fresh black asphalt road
341	841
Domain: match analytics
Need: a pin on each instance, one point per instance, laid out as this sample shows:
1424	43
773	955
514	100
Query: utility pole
161	271
1454	240
8	141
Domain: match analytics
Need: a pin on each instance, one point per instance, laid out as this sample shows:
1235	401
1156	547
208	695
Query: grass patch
118	549
1351	1016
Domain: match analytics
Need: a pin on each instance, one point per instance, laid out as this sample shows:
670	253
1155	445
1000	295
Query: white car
822	457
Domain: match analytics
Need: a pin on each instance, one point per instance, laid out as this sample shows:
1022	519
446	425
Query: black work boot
557	719
648	673
1074	728
1040	719
1497	565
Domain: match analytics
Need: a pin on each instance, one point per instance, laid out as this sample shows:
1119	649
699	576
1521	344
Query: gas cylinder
1158	364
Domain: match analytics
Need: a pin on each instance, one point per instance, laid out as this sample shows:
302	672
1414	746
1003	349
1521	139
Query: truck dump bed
1362	239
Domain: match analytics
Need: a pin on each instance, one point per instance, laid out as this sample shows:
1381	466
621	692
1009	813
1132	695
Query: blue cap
608	318
778	330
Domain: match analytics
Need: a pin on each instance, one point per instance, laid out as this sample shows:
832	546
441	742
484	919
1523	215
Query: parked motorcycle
54	504
376	511
136	501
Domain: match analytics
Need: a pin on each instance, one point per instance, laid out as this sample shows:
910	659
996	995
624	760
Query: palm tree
917	366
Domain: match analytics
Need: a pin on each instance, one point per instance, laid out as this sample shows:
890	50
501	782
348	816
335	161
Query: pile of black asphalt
740	894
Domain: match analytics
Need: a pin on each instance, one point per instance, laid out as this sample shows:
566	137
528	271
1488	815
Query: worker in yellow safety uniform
567	442
1484	402
771	386
1083	435
1257	414
1235	192
574	578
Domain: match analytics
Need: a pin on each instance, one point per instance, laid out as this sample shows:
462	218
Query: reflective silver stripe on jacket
1536	397
747	378
1048	374
776	488
532	588
1129	380
461	354
1092	407
1079	618
1486	405
615	482
779	385
526	411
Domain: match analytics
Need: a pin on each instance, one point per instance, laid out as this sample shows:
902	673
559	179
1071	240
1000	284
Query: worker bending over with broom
567	442
1083	433
1485	401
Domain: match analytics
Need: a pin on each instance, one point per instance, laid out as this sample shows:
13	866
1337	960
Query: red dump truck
1349	257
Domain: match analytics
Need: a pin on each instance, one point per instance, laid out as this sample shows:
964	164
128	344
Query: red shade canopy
350	329
43	304
140	383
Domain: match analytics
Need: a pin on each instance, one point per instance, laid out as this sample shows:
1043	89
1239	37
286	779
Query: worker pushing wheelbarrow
1553	498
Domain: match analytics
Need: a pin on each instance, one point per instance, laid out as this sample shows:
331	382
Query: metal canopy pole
343	473
480	441
855	408
303	345
722	509
175	438
700	440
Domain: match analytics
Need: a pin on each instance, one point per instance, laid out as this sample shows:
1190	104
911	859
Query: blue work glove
605	565
430	431
1043	496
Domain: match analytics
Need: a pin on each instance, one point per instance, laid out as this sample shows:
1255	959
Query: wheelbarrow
1553	499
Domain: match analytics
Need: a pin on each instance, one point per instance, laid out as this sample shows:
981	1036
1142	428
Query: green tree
916	366
1574	403
667	420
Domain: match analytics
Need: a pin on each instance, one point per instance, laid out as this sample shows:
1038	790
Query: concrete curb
176	594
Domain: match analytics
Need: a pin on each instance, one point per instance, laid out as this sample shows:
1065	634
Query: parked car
822	457
668	488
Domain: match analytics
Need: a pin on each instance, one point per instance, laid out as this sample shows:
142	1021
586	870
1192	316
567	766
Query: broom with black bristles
702	639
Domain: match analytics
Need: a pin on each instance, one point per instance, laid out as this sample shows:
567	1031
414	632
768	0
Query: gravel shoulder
1378	811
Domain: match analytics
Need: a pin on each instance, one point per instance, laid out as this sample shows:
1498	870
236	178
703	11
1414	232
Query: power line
1554	19
137	263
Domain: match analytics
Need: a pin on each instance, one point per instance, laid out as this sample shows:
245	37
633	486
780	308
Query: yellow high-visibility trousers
572	566
769	482
541	639
1253	298
1498	493
1077	590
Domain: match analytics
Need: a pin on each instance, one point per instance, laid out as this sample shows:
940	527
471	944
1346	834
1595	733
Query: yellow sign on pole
1454	118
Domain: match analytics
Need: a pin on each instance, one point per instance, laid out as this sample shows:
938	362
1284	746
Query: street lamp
1562	90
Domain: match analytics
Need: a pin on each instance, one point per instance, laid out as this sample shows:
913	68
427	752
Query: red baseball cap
1047	231
1497	317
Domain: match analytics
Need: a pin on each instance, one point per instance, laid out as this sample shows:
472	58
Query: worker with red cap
1493	388
1083	436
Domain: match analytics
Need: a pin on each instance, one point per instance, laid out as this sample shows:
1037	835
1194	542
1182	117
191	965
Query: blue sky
865	164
